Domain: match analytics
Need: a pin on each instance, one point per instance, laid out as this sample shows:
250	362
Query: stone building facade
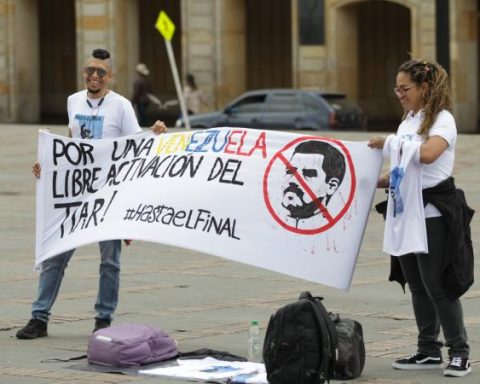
231	46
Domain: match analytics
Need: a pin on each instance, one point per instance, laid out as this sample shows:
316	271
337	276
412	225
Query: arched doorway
58	58
373	39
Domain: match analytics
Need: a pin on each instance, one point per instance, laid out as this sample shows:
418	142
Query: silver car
285	109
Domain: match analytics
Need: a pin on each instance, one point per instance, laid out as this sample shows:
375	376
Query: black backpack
351	348
300	343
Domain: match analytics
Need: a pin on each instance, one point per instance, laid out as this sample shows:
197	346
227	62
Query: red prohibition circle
331	220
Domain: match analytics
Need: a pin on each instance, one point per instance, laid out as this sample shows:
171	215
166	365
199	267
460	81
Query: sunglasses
400	91
89	71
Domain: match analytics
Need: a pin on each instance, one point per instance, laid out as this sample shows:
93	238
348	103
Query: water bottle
254	343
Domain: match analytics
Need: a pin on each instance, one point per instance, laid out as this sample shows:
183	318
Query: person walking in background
94	113
427	219
194	98
141	89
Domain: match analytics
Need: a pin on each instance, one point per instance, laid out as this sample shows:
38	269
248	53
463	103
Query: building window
311	22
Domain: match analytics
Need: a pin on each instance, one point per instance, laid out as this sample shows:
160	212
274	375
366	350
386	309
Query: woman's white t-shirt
114	117
442	168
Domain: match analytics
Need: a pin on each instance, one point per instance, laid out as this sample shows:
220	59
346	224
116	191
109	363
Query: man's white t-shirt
114	117
442	168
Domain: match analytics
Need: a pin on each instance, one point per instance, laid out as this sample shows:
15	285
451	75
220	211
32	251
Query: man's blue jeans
52	273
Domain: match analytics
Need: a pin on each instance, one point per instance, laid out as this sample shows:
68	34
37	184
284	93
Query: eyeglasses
400	91
89	71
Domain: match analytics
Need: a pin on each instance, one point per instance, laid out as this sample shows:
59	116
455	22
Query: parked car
285	109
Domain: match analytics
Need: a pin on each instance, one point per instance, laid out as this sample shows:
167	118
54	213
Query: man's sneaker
34	328
101	323
457	367
418	361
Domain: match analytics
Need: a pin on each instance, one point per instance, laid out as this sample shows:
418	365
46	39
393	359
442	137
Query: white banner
290	203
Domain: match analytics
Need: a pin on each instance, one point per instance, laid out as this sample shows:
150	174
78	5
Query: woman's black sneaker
34	328
457	367
418	361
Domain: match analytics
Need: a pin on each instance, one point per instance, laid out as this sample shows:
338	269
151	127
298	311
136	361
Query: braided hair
438	96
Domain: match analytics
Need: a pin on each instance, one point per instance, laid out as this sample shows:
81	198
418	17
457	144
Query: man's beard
93	91
293	202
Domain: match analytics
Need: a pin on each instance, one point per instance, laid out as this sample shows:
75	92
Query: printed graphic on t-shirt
91	127
409	137
396	177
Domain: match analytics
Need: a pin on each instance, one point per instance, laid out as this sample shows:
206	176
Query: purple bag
131	344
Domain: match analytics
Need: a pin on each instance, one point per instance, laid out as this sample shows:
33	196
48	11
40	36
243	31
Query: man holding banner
94	113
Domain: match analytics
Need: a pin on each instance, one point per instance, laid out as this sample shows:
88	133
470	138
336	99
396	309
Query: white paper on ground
213	369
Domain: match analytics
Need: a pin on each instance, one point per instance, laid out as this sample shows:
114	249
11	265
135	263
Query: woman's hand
377	142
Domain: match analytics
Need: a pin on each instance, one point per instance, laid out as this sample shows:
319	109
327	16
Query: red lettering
231	142
261	145
242	139
236	147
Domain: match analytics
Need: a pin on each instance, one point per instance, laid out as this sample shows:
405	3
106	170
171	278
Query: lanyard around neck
98	105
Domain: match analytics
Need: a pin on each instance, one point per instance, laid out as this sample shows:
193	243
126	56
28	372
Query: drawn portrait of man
313	174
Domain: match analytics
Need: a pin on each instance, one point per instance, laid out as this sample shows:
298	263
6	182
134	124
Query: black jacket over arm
459	261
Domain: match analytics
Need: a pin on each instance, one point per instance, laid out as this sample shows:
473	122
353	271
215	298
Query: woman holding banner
94	113
427	219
